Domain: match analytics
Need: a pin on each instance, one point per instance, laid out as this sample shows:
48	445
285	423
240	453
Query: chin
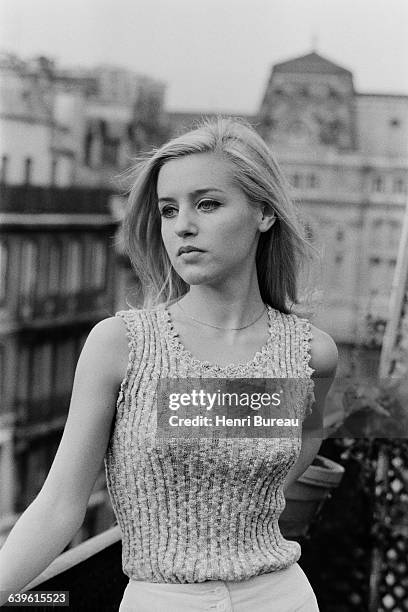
200	277
196	278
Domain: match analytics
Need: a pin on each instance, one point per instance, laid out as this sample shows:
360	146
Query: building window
296	180
28	168
312	181
394	122
72	172
130	132
2	366
268	122
53	178
3	271
339	235
377	271
22	384
74	267
334	94
399	186
309	233
29	275
98	263
393	233
29	267
65	364
54	264
336	271
377	233
4	169
379	184
110	152
88	147
42	371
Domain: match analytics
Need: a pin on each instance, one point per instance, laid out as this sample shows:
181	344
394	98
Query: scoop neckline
181	351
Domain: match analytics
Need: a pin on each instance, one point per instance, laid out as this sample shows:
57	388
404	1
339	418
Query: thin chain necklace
216	326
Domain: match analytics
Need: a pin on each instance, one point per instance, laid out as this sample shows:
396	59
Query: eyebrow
193	193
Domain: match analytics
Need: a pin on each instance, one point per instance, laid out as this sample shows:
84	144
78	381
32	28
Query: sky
214	54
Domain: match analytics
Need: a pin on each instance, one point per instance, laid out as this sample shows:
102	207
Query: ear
267	218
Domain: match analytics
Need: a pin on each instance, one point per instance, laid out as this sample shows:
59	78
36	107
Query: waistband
210	585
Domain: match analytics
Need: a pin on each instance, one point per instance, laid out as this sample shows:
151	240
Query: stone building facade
124	115
35	148
79	126
346	156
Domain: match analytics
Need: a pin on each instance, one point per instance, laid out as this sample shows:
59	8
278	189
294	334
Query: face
209	228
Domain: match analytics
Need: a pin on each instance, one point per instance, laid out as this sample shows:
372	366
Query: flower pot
305	497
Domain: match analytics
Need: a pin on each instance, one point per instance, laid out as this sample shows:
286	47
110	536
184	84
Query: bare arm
324	362
56	514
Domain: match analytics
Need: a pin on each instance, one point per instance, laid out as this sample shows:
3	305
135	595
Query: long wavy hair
284	253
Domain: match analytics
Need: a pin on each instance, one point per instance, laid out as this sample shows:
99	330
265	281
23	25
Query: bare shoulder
324	353
107	345
111	329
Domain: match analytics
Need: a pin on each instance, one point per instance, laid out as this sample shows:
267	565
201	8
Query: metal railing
91	573
64	200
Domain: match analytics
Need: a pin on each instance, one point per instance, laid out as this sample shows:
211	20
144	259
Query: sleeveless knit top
192	510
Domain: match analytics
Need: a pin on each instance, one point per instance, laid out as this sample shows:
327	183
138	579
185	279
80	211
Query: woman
216	243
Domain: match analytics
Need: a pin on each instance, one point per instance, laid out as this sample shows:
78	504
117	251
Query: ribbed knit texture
199	509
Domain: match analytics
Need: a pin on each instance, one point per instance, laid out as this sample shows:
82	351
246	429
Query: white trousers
286	590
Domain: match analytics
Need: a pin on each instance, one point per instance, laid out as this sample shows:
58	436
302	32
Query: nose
185	223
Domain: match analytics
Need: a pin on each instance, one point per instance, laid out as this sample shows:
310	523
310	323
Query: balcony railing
71	200
375	579
91	572
32	307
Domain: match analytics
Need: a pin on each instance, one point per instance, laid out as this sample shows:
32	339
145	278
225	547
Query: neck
232	305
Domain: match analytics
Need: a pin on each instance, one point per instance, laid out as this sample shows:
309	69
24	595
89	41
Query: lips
188	249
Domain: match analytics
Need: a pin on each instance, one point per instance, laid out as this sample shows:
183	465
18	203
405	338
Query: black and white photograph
204	305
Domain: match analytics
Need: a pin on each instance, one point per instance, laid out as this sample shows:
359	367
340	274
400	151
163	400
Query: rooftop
311	63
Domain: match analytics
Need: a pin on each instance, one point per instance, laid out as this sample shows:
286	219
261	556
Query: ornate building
122	115
35	147
309	101
74	126
346	156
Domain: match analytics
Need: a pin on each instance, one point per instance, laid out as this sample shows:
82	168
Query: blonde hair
283	252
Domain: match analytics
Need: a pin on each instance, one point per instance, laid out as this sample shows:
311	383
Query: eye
208	204
168	212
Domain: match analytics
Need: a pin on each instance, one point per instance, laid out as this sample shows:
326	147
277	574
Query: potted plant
370	410
306	496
